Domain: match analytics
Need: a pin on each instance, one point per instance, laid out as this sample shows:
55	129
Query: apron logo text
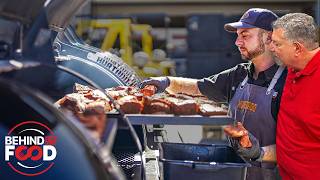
247	105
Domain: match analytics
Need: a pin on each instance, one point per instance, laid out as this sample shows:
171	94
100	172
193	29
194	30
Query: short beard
258	51
277	60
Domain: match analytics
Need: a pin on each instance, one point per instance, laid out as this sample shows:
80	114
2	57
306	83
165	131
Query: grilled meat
130	105
156	106
89	106
94	117
79	88
240	133
116	94
211	110
148	90
73	102
132	100
183	107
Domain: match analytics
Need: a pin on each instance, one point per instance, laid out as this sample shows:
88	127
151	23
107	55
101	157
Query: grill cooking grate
126	161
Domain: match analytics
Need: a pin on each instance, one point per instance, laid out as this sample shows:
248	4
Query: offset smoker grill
106	70
74	54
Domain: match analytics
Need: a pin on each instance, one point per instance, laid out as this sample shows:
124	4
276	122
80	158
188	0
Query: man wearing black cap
252	89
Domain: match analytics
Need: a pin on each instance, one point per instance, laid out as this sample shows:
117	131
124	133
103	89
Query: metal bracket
154	135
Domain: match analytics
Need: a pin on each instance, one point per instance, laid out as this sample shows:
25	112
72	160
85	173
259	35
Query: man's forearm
183	85
269	153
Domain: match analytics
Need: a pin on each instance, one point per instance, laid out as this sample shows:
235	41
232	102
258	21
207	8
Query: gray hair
299	27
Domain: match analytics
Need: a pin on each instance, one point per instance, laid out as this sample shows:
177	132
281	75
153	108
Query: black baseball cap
253	18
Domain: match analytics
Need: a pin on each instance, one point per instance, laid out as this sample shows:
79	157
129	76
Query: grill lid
70	48
60	12
26	12
116	66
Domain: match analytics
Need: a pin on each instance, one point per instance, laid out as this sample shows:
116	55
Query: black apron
251	105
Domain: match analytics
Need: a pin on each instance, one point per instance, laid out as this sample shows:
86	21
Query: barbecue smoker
46	55
106	70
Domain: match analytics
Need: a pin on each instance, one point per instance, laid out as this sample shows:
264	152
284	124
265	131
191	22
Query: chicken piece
139	96
96	107
116	94
185	107
133	90
240	133
94	118
234	132
148	90
73	102
121	91
156	106
96	95
89	108
130	104
211	110
82	89
129	90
